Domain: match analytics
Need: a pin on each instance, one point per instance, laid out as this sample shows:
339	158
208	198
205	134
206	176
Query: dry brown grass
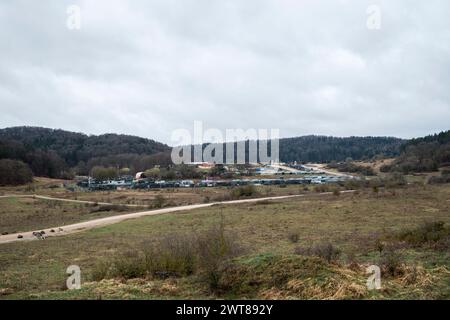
352	222
25	214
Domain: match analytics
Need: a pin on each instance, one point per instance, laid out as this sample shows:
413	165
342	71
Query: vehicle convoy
146	183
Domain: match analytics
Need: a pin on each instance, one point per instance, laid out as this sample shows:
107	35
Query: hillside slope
326	149
50	152
53	152
423	154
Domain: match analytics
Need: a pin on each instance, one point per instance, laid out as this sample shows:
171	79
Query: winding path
97	223
35	196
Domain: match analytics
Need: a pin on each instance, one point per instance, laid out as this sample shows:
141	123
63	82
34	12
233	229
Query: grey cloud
150	67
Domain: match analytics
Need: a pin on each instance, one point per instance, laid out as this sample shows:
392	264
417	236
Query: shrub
293	237
428	232
444	178
107	208
129	265
355	184
244	191
159	201
379	245
13	172
353	168
215	249
174	255
391	262
395	180
326	251
265	272
101	271
321	188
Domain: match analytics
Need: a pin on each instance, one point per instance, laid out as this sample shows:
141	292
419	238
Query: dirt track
82	226
34	196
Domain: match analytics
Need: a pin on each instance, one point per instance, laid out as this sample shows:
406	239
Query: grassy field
174	197
276	258
25	214
171	197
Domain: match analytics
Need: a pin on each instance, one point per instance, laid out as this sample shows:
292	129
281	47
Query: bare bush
172	256
159	201
293	237
215	249
101	271
176	255
391	262
108	208
326	251
129	265
427	233
244	191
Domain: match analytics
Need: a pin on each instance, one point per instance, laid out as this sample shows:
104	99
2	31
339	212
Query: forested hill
50	152
58	153
423	154
326	149
441	138
74	147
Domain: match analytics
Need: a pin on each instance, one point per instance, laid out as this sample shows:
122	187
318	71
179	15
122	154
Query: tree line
425	154
324	149
63	154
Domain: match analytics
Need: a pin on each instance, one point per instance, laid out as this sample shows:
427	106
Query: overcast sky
304	66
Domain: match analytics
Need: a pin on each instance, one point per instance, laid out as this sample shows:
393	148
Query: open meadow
316	247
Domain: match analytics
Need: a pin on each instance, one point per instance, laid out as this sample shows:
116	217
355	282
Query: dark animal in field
40	235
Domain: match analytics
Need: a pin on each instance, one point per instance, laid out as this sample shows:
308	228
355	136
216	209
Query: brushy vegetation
426	234
422	154
443	178
25	214
159	201
365	227
293	237
326	251
393	180
50	153
429	235
14	172
352	168
215	249
322	188
271	276
107	208
391	262
176	255
172	256
244	191
336	192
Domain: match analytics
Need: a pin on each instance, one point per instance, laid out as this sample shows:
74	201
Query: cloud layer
150	67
